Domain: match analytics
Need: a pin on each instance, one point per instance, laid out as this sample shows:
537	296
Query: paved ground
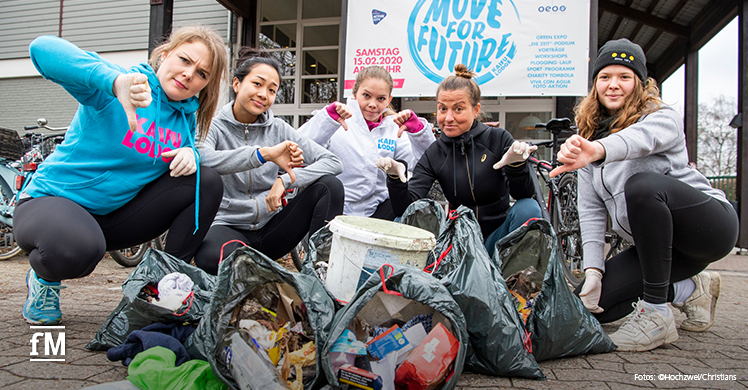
722	350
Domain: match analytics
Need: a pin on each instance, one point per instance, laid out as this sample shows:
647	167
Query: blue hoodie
102	165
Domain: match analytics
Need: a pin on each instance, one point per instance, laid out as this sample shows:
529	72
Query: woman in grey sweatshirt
633	166
243	138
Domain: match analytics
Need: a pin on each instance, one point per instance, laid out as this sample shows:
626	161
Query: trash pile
269	342
388	346
524	286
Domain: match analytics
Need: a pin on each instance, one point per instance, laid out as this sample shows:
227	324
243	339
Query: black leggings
64	241
678	231
308	211
384	211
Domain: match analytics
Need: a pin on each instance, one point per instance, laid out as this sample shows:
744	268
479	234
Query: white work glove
593	285
518	152
392	168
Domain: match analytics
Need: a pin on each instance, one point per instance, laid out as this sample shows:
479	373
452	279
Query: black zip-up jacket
463	166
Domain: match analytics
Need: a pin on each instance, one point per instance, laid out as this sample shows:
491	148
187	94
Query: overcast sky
718	71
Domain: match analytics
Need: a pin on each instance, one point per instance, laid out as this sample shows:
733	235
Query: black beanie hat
621	52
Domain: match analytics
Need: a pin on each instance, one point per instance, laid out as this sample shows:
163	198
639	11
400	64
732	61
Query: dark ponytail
250	57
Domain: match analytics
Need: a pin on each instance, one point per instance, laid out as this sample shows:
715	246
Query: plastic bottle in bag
245	362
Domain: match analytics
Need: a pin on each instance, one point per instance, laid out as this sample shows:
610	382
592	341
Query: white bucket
361	245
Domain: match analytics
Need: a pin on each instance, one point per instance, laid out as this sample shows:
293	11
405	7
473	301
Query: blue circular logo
477	33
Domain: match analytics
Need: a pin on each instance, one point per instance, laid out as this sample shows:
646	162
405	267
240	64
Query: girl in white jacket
370	130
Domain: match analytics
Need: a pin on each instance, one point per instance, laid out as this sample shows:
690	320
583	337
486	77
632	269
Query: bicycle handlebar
41	123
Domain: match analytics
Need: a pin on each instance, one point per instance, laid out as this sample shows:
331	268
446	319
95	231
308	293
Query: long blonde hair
643	100
208	97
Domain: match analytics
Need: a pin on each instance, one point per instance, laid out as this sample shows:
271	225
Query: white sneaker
645	329
701	305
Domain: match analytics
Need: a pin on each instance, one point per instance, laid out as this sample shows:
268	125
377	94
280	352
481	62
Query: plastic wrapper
248	367
429	363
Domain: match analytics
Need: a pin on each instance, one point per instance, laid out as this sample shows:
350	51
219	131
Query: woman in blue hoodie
128	169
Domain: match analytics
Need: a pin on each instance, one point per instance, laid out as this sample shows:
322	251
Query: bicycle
19	159
561	206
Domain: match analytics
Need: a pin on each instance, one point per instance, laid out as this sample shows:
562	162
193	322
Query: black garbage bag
134	312
412	284
319	251
499	344
239	275
426	214
559	323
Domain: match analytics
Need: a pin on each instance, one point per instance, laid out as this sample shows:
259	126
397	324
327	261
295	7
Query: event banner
515	47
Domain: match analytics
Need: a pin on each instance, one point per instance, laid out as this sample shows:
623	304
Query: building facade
307	36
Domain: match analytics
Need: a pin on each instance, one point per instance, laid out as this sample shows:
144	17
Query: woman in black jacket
477	166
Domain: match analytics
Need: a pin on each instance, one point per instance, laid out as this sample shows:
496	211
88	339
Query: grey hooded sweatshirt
656	143
231	149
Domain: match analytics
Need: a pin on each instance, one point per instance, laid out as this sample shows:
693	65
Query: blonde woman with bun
476	165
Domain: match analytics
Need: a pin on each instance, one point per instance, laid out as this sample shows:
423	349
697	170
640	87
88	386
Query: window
304	35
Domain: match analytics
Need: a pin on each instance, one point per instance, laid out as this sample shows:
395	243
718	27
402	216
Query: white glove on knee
392	167
590	294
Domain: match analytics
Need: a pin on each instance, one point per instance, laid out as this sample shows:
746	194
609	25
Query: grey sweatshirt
231	149
656	143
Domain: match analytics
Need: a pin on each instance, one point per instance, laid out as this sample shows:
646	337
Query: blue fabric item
259	157
169	336
102	165
425	319
518	214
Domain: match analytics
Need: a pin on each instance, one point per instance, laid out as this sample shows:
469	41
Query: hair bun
247	52
461	70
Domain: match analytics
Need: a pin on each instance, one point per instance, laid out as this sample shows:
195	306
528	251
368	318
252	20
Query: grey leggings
678	231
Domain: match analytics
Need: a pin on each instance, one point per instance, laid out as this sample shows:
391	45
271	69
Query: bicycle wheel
569	233
130	257
8	245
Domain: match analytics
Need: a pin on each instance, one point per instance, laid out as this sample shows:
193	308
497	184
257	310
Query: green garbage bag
155	369
134	313
559	323
499	344
238	276
412	284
